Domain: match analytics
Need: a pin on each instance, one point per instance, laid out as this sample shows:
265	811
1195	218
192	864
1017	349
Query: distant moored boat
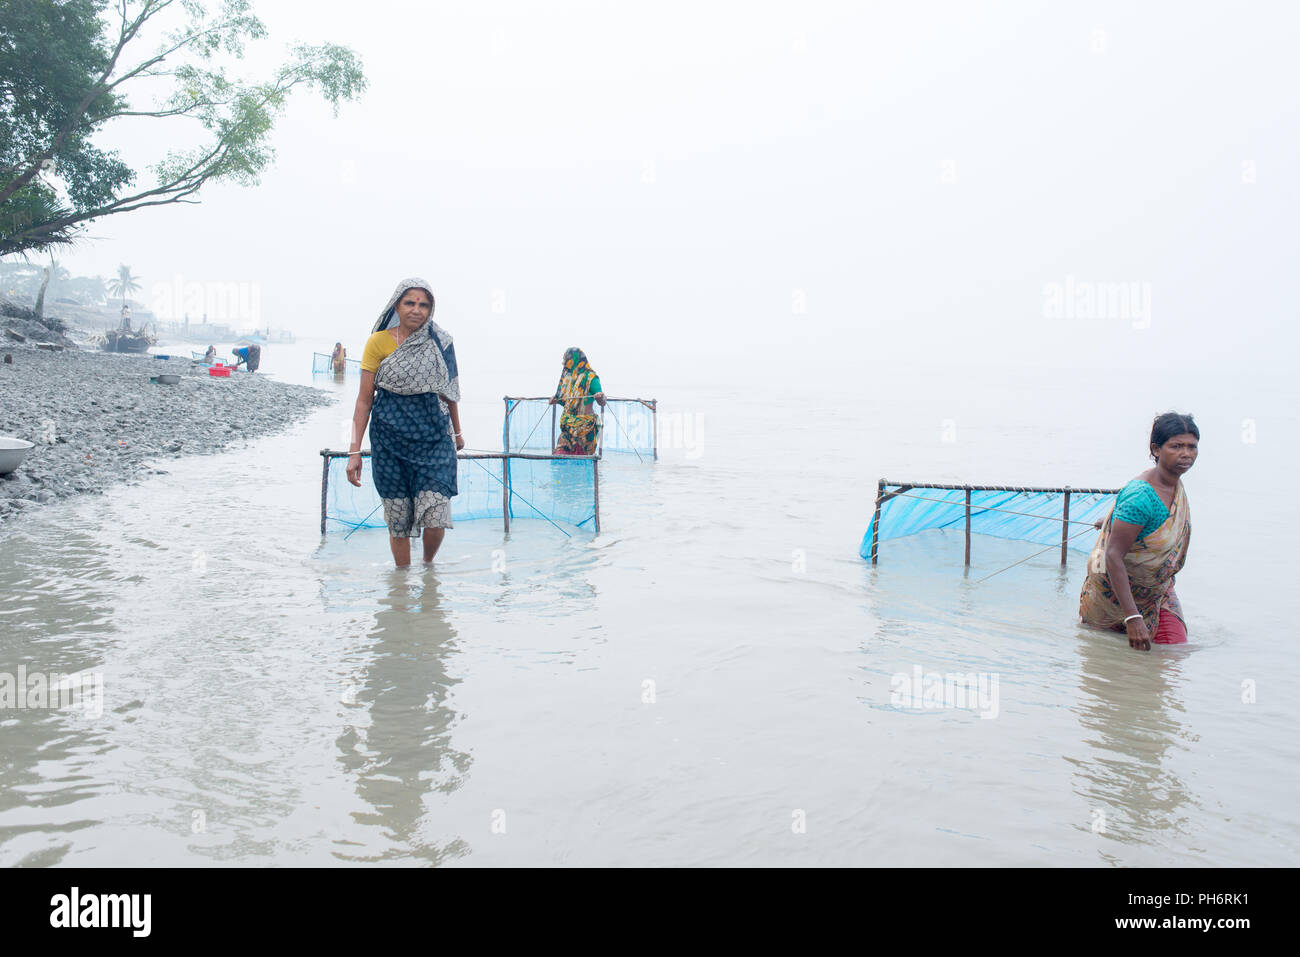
116	341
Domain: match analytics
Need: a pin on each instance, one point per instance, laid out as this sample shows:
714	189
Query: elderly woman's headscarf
426	361
577	375
389	316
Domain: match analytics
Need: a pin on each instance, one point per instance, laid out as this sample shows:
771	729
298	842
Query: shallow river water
706	682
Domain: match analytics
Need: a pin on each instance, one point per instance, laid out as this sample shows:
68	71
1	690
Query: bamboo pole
1065	525
875	522
505	492
968	526
324	486
1003	488
365	453
654	426
595	488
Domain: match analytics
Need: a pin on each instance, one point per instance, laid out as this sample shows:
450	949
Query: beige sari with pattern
1151	564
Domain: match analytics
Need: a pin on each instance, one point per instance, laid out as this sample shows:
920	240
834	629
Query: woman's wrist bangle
1131	617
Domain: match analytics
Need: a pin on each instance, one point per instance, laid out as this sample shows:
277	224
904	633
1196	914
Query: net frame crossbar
897	489
350	366
327	455
512	402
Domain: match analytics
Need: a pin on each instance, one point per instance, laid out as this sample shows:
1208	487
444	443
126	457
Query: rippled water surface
705	682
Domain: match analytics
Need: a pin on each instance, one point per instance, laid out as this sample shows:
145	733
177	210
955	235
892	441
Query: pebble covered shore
97	419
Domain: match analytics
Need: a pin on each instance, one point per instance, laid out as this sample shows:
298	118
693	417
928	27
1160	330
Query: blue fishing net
560	490
627	425
322	364
1023	515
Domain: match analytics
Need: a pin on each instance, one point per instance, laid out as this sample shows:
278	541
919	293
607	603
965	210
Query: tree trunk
39	309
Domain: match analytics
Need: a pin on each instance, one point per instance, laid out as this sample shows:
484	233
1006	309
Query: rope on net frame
507	488
903	490
512	402
1035	555
509	410
630	443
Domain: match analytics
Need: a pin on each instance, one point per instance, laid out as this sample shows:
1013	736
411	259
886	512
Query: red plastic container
221	372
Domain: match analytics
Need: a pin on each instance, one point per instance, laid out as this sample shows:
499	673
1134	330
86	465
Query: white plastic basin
12	453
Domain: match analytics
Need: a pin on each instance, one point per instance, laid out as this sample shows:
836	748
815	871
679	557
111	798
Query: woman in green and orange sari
1130	583
579	386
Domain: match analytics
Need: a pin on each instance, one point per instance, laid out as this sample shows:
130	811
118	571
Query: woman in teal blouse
1130	581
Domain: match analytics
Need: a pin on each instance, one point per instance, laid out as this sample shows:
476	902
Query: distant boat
117	341
251	340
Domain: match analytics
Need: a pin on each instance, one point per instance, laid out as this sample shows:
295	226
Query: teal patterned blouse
1138	504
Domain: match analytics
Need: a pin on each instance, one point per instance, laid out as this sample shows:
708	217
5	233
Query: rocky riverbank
97	419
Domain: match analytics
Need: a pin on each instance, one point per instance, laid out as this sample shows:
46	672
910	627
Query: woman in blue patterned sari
409	394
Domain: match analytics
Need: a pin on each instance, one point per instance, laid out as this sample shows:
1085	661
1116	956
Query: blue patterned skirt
413	461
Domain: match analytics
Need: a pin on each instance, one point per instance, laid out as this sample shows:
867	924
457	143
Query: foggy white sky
671	178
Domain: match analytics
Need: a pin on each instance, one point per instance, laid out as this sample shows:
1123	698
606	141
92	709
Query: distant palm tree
123	284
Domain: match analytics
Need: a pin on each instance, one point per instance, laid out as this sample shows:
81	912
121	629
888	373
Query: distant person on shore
578	387
1143	544
211	355
250	355
410	382
339	360
126	318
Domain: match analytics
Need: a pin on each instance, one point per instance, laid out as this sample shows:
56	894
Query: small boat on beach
132	342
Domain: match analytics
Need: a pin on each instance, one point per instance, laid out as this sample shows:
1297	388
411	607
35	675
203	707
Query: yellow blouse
379	347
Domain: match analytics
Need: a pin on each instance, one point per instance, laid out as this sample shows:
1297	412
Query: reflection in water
405	750
56	619
1128	703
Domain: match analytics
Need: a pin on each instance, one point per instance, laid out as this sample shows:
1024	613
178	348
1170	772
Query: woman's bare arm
1122	537
453	409
361	414
360	419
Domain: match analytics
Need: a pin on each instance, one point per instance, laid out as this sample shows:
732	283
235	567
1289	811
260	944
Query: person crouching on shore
251	355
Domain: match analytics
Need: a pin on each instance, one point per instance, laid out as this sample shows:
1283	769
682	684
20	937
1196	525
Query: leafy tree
19	279
66	69
87	290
